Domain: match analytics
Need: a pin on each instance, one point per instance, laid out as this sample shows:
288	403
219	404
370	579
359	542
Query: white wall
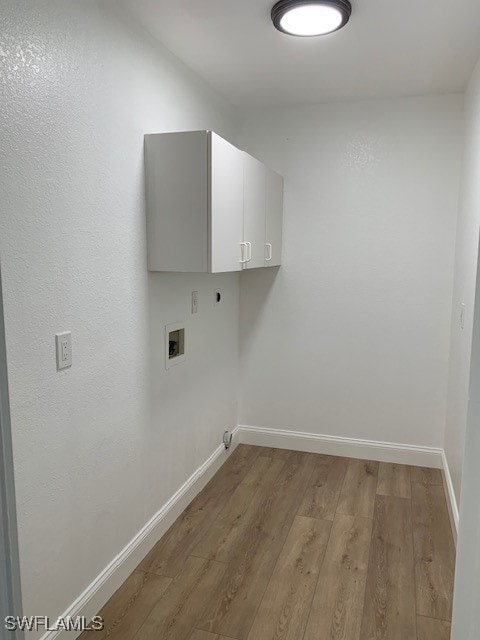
351	336
466	613
94	458
464	286
462	438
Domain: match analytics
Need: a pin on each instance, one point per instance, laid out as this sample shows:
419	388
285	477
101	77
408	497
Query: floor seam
419	615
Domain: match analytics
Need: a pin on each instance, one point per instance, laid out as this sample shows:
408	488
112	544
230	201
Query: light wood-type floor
288	545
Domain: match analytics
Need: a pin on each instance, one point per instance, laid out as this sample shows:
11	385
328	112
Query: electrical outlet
63	343
194	301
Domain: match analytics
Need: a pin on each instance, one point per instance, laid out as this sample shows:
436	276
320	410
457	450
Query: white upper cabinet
211	208
273	219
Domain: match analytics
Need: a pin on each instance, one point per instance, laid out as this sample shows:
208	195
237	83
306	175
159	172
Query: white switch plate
462	316
63	343
194	301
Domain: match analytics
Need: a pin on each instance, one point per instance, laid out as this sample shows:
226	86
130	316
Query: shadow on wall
253	299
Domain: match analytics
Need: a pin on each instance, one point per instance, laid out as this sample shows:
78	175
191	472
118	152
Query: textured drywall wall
464	286
98	448
351	336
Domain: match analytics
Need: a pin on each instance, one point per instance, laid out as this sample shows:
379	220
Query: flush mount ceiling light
310	18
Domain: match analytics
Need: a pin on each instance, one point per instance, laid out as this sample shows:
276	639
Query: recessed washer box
174	344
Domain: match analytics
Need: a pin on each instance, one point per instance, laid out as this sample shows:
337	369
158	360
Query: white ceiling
389	48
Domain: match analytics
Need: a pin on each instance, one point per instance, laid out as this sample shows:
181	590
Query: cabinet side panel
274	218
177	201
254	209
226	205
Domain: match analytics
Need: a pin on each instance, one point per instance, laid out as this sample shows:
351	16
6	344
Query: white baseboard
451	498
344	447
89	603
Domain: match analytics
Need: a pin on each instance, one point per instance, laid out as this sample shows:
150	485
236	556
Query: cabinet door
226	206
274	219
254	177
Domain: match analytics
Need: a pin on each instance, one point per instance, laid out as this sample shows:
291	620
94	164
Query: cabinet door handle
269	247
249	247
242	259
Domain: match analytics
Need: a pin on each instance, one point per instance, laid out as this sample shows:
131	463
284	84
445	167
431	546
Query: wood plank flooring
283	545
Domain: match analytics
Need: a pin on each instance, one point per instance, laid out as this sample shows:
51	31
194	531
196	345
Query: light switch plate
63	343
194	301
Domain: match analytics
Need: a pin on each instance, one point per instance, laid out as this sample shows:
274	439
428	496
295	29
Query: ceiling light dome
310	18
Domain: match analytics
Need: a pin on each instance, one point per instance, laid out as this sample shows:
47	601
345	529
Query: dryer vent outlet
227	439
